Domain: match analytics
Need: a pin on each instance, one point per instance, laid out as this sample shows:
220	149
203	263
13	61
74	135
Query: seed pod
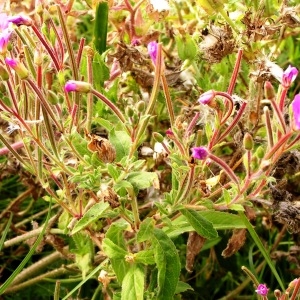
103	147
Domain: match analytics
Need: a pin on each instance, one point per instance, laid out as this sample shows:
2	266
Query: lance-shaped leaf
201	225
93	214
133	284
168	265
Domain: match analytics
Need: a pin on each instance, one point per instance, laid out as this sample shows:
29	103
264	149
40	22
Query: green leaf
113	171
145	257
93	214
223	220
100	26
200	224
261	247
186	46
133	284
122	143
79	143
112	250
146	230
168	265
141	180
115	234
182	287
100	71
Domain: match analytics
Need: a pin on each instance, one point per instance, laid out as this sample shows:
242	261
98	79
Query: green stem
168	99
152	100
261	247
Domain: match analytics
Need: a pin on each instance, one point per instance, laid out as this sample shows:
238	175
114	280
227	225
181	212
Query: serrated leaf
100	71
122	143
145	257
93	214
168	265
146	230
141	180
133	284
115	234
112	250
201	225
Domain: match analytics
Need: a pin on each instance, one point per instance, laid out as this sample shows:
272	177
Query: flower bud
52	97
152	50
38	57
260	152
158	137
129	111
3	73
77	86
288	76
140	106
269	91
19	68
248	141
20	20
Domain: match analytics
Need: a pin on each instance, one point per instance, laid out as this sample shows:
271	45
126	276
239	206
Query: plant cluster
146	134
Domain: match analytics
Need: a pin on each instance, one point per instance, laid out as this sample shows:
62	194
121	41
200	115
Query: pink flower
3	21
296	111
288	76
77	86
207	97
199	153
152	50
4	39
262	290
20	20
19	68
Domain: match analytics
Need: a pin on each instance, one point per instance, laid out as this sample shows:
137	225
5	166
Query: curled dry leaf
235	243
194	245
105	150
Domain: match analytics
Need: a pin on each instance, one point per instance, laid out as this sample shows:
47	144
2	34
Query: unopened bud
140	106
277	294
248	141
158	137
3	73
38	57
77	86
207	97
260	152
129	111
52	97
269	91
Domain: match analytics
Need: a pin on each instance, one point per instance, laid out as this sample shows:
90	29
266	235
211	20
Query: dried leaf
194	245
235	242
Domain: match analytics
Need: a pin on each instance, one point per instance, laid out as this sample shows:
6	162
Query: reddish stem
15	146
